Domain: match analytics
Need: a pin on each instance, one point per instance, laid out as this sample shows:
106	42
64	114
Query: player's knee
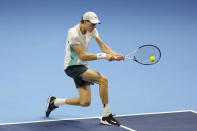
104	79
85	103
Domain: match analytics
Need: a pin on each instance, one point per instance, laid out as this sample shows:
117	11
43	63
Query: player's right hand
109	57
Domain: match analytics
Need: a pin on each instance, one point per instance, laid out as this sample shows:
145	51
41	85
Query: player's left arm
106	49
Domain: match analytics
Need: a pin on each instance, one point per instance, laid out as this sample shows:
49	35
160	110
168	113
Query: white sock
59	102
106	110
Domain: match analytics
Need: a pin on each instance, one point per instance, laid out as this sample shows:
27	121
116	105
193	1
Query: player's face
90	26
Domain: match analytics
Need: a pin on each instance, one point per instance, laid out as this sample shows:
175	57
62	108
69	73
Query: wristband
101	55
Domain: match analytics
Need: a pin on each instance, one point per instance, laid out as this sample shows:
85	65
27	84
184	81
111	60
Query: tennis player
76	66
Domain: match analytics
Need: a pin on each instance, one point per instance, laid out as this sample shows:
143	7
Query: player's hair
82	21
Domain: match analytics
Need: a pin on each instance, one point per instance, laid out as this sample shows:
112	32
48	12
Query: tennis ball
152	59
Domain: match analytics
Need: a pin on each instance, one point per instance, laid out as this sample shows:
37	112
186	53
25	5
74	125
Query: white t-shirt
76	37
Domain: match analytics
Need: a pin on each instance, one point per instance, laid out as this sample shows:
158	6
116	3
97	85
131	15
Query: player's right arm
83	55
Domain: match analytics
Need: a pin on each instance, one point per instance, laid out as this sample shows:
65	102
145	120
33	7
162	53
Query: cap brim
95	21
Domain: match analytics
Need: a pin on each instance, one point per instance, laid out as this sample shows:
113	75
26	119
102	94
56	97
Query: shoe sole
48	102
105	123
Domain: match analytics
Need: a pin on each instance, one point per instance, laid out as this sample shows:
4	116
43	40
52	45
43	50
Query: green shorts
75	72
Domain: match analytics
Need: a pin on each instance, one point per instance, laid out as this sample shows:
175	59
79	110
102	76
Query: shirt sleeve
73	39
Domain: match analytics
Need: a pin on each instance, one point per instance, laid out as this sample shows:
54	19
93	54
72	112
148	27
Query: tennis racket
145	55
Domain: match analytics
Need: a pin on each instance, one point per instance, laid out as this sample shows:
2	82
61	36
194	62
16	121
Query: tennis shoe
50	105
109	120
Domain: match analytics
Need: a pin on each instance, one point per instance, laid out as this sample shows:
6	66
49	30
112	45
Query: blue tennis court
32	49
169	121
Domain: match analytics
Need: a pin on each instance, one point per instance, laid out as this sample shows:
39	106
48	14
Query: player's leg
83	87
100	79
95	77
84	98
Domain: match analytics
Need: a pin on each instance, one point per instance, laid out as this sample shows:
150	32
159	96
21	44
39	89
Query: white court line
26	122
127	128
155	113
194	111
98	117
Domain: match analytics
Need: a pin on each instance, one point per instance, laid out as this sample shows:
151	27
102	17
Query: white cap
92	17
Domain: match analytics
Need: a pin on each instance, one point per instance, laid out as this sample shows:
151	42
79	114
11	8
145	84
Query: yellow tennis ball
152	58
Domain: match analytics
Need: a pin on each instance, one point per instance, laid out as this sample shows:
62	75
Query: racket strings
143	54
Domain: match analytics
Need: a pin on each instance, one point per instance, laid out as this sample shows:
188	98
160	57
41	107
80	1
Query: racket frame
128	56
